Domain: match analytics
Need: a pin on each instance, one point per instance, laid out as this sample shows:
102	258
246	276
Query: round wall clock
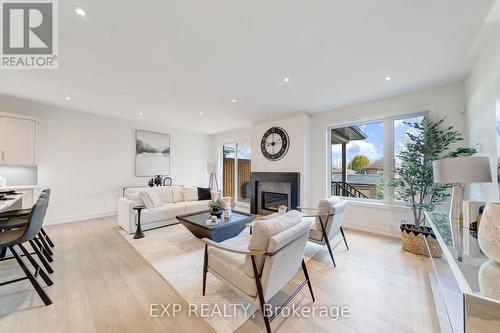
275	143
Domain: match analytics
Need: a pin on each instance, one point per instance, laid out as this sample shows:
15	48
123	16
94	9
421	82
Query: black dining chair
15	213
14	219
16	237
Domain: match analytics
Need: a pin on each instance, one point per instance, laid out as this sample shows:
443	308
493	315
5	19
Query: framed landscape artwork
152	154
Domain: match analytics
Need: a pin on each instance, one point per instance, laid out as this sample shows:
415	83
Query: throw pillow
190	193
204	193
264	230
165	193
150	198
135	197
177	195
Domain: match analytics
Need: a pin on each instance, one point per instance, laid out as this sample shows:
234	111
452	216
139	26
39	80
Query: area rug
178	257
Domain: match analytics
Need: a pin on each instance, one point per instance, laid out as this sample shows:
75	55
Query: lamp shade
211	166
462	170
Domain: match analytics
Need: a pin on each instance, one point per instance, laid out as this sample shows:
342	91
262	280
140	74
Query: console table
461	304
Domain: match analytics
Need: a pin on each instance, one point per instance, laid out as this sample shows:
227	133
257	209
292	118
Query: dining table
11	202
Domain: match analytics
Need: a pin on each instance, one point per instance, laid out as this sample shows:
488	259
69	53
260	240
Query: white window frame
388	153
236	144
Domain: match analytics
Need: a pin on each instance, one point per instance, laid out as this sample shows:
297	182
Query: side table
138	232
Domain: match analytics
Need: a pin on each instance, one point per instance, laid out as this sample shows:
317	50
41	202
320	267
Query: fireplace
269	190
271	201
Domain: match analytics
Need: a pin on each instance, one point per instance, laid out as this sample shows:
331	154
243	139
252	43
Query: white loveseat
174	203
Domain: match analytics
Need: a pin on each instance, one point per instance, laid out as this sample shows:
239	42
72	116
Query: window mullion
388	158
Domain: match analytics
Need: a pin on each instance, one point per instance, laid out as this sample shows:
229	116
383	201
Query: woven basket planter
413	240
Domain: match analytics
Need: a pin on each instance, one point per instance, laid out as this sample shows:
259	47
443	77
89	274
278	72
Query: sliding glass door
237	170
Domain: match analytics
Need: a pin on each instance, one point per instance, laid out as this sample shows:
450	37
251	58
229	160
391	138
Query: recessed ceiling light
388	78
80	11
233	100
141	114
286	79
68	98
201	113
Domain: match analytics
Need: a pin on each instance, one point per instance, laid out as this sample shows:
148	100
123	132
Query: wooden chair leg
205	268
306	274
30	277
41	257
345	240
47	238
38	269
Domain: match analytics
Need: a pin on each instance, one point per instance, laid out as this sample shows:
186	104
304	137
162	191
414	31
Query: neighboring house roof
377	165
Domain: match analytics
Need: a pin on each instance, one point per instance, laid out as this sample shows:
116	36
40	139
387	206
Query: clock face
275	143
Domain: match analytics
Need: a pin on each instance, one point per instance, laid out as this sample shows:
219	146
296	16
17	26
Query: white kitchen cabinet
17	141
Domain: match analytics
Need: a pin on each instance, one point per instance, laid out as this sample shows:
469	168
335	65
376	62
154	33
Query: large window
363	157
358	161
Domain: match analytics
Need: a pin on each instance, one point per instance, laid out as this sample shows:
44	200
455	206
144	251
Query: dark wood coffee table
225	229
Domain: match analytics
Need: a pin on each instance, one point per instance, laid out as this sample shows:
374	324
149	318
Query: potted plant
413	179
216	207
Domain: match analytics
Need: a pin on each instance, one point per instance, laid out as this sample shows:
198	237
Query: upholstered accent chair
326	223
260	265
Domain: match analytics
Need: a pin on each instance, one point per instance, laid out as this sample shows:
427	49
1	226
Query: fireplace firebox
269	190
272	201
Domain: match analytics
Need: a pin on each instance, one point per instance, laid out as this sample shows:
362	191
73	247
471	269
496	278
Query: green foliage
413	180
379	188
359	162
216	204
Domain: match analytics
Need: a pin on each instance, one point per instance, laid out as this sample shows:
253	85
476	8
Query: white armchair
326	223
260	265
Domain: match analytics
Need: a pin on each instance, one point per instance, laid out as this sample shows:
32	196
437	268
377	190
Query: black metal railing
346	190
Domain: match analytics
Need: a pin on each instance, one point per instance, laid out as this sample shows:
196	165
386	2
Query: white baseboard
74	218
381	230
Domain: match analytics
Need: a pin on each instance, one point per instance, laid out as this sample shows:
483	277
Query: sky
373	146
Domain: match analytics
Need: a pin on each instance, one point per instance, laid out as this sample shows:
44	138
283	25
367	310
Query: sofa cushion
196	206
135	197
190	193
165	193
164	212
264	230
204	193
150	198
177	195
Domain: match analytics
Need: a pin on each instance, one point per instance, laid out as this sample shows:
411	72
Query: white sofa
173	201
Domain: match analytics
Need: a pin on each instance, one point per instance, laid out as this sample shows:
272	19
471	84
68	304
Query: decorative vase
151	182
489	279
216	212
489	231
158	180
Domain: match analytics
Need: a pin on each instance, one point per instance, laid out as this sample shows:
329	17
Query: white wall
297	127
87	159
481	94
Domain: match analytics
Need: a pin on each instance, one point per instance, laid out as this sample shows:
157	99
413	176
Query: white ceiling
172	60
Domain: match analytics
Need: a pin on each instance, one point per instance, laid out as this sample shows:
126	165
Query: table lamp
459	171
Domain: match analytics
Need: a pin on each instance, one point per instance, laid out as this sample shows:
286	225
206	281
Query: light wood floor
103	285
